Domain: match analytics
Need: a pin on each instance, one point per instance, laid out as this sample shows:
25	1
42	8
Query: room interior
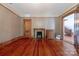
28	29
44	25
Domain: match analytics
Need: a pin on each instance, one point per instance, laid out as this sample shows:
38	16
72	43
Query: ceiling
39	9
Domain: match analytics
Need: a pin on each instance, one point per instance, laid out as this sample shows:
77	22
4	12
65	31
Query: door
68	28
27	28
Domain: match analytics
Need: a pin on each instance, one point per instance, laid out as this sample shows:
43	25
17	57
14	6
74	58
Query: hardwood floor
35	47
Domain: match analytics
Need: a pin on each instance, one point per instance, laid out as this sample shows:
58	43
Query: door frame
63	25
24	20
70	11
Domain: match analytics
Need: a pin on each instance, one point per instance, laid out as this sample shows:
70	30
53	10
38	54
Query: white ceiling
39	9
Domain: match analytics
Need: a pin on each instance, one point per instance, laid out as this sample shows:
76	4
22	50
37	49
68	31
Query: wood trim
77	9
70	11
24	20
24	24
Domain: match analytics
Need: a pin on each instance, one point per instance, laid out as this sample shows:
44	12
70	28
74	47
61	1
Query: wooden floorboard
38	47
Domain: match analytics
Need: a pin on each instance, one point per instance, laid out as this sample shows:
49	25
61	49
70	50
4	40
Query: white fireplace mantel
39	30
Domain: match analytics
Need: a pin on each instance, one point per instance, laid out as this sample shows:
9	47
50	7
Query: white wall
43	22
9	25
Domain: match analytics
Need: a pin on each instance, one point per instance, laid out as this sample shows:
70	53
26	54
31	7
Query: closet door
27	28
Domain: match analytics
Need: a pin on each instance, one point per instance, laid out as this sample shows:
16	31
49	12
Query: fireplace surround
39	33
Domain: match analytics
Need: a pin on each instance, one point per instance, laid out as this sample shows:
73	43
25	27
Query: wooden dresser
49	34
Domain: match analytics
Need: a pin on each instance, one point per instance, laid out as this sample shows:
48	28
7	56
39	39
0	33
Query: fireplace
39	33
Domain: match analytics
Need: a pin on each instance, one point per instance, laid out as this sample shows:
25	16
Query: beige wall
59	26
43	22
9	25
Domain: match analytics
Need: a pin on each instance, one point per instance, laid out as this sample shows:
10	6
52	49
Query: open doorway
68	28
